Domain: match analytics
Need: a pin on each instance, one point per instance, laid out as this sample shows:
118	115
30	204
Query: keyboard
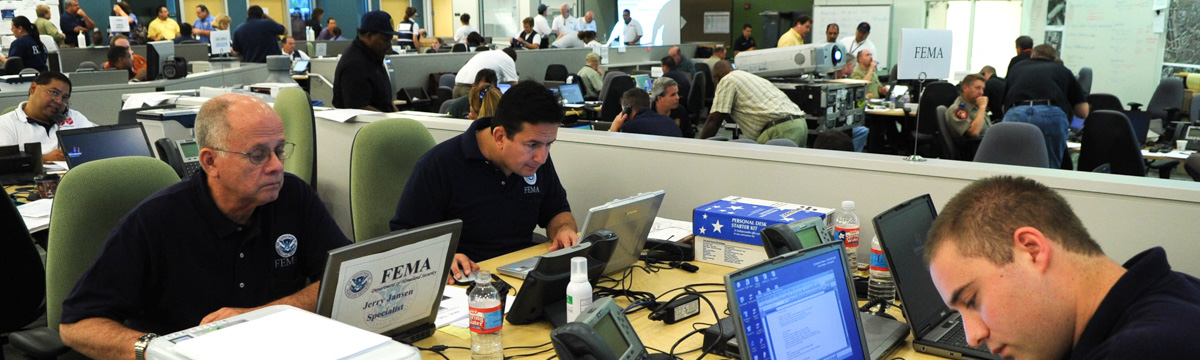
958	337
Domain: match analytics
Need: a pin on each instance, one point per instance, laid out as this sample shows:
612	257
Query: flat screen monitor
157	52
102	142
503	87
643	81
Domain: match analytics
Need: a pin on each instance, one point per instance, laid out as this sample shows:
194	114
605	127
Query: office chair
295	109
1165	105
939	93
90	201
444	95
382	157
556	72
702	67
445	107
416	98
949	148
572	78
13	65
1104	102
1108	140
608	76
702	52
87	66
28	71
616	88
447	80
1013	143
459	48
27	284
1194	112
1192	166
1085	79
695	100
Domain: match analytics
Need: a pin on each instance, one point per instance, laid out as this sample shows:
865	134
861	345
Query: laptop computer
801	305
1140	120
503	87
936	328
630	219
392	284
573	94
643	81
102	142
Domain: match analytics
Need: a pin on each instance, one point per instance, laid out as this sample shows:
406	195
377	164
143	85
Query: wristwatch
139	347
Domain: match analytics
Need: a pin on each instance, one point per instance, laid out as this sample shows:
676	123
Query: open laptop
630	219
102	142
936	328
642	81
801	305
392	284
503	87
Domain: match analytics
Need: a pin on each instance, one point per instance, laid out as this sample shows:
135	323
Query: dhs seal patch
286	245
358	284
532	179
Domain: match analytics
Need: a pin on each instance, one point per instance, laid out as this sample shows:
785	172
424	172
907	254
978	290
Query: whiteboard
1116	40
847	17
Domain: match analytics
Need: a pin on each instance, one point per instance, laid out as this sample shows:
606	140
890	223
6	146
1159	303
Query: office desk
884	137
1147	154
653	334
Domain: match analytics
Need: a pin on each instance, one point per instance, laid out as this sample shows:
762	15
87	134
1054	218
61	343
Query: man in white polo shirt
633	29
504	62
41	117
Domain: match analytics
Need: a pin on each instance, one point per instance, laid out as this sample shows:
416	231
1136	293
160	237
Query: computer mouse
465	280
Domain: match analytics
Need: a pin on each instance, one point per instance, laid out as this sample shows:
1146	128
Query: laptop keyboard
957	336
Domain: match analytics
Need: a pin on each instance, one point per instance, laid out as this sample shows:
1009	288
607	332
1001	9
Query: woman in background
28	45
483	101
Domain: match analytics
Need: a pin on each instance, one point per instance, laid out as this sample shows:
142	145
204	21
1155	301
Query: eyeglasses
261	154
58	94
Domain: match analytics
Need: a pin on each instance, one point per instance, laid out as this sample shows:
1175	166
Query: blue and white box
740	219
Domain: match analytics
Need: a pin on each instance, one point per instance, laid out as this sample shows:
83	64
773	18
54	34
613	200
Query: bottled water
845	229
880	284
487	319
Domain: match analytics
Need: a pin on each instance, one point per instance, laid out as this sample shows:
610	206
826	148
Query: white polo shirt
505	67
563	26
16	130
632	30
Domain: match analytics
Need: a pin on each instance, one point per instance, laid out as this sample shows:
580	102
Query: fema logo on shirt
286	245
358	284
532	179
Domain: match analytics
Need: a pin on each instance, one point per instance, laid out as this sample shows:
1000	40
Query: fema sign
925	51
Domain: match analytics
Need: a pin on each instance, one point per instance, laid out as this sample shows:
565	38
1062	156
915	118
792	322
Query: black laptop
101	142
936	328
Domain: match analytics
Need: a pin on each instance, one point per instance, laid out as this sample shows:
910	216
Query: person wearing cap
542	25
592	75
860	41
257	37
360	80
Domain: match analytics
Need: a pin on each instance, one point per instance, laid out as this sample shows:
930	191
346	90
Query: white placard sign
383	289
925	51
118	24
221	42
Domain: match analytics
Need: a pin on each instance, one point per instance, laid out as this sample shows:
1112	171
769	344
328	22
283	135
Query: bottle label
847	235
878	261
486	320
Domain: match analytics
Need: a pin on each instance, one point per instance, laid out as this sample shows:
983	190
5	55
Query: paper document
36	209
149	99
289	334
55	166
670	230
342	115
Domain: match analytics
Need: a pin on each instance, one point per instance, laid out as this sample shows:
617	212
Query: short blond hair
42	10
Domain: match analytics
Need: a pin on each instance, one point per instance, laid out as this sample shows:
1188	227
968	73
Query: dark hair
23	23
205	8
971	78
1045	51
983	217
336	31
669	62
833	140
410	12
626	11
747	26
465	18
832	25
864	27
528	102
117	53
802	19
636	98
527	21
160	9
185	30
255	12
45	77
318	12
1024	42
474	39
487	75
512	53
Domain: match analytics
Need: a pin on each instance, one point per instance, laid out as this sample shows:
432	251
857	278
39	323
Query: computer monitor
572	93
300	67
392	284
158	52
102	142
643	81
503	87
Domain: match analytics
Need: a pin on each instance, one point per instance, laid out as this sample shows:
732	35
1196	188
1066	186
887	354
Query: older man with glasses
39	119
239	235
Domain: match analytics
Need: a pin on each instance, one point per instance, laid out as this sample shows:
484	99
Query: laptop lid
571	93
800	305
643	81
301	66
102	142
392	284
902	231
630	219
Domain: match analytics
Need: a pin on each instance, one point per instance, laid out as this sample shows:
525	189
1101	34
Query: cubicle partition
643	56
1124	214
531	64
332	48
192	52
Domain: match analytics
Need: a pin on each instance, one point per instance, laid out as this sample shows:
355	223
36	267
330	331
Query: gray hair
70	2
659	88
212	126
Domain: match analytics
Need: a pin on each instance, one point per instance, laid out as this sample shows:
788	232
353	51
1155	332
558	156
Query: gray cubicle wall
192	52
332	48
531	64
637	54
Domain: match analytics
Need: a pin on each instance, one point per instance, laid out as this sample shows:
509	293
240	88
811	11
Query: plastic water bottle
308	34
845	227
579	291
487	319
880	284
82	39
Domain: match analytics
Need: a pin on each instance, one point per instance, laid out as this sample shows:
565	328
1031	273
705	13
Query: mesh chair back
1194	112
459	48
702	67
695	96
940	93
88	66
1192	166
1013	143
295	108
446	80
1108	139
1085	79
82	217
13	65
382	158
556	72
608	76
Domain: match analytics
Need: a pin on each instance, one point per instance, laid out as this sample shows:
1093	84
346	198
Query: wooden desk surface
653	334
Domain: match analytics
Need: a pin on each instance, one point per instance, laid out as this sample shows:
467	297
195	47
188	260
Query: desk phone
601	332
1193	138
182	155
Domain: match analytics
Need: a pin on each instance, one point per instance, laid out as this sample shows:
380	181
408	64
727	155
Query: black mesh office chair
1192	166
608	76
87	66
1085	79
1165	105
616	88
556	72
459	48
1104	102
1108	140
949	148
702	67
1014	143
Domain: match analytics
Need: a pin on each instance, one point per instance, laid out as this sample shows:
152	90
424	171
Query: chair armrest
1134	106
40	343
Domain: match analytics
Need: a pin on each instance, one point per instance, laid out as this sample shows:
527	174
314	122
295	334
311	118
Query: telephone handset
182	155
62	116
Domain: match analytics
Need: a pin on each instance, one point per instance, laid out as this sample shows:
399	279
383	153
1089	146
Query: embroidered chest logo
286	245
532	182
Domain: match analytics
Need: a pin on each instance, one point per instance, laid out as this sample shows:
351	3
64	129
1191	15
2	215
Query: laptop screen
571	93
797	306
102	142
503	87
643	81
902	231
1140	120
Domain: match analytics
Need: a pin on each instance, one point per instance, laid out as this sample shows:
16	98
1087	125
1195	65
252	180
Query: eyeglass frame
280	152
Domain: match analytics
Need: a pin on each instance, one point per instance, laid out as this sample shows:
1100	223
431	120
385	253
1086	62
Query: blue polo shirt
176	257
651	123
455	181
1150	313
25	48
67	24
257	38
203	24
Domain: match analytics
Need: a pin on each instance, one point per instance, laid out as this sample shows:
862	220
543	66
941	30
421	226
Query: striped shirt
752	102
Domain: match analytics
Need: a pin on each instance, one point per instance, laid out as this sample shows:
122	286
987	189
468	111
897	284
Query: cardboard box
741	219
727	253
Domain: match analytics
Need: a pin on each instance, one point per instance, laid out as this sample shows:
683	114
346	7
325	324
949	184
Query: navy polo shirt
25	48
257	38
360	80
1150	313
651	123
67	24
177	258
454	181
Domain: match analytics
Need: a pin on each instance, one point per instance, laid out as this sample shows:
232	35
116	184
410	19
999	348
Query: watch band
139	347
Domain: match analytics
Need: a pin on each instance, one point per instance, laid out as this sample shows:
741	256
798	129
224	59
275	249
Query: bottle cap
579	269
482	277
848	205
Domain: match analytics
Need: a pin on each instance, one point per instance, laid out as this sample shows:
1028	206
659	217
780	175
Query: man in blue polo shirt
237	236
202	28
257	37
498	178
638	118
73	21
